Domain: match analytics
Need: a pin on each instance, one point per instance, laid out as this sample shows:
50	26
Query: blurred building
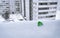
30	9
4	6
40	9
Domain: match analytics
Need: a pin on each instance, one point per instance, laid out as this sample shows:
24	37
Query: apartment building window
17	4
7	3
52	11
50	16
54	7
3	1
17	9
43	3
44	8
40	17
53	3
42	12
16	1
7	7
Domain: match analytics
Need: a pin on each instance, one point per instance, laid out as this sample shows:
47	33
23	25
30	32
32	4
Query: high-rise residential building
40	9
30	9
18	6
4	6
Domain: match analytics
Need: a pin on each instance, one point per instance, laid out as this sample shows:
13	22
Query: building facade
30	9
41	9
4	6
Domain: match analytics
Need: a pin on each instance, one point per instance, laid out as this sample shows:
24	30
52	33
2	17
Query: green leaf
40	23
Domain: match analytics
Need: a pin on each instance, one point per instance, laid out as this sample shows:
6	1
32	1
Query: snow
30	29
13	17
16	17
1	18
